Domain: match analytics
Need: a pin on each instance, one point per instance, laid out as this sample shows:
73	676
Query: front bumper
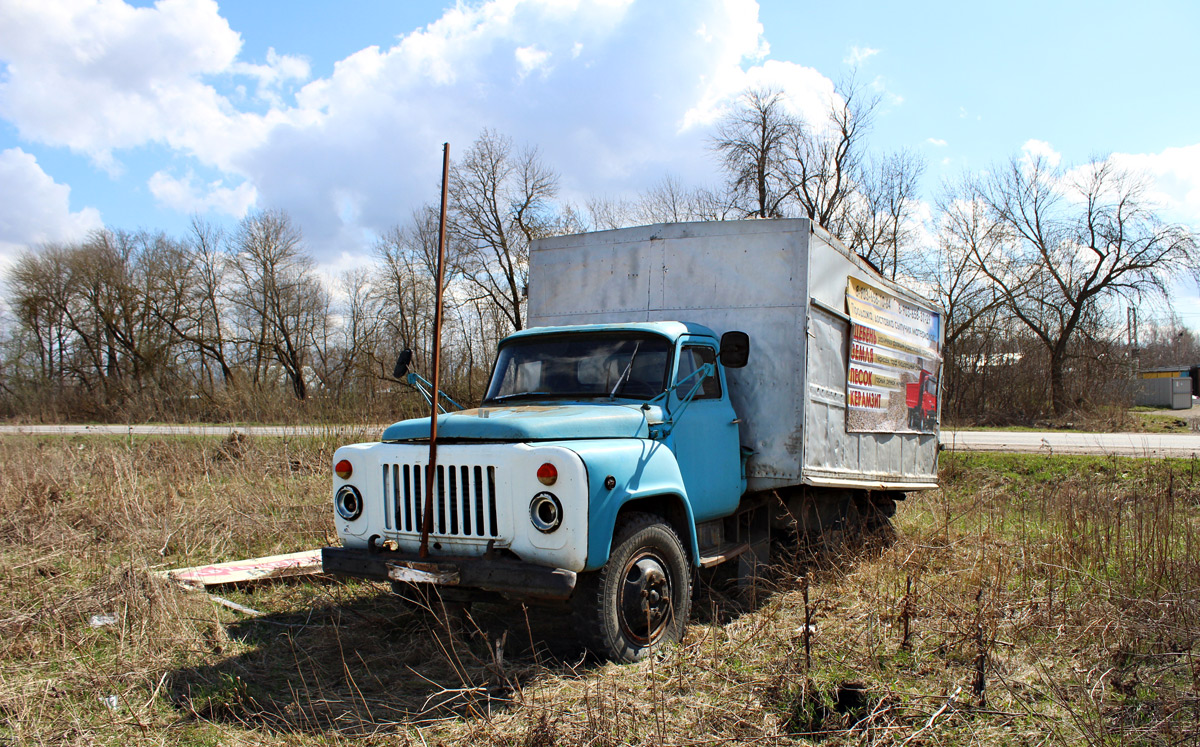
510	578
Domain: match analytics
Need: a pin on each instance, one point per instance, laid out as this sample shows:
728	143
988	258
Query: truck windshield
581	365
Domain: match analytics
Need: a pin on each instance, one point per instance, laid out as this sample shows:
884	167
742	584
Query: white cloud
1169	180
936	141
531	58
1174	179
101	75
809	93
36	209
1040	148
188	196
879	86
858	55
279	70
611	106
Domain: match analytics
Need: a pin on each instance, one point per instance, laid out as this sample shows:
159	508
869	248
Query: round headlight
349	502
545	512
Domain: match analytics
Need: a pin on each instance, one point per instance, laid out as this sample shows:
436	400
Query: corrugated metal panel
1173	393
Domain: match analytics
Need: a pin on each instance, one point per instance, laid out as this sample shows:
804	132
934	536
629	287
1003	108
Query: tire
647	562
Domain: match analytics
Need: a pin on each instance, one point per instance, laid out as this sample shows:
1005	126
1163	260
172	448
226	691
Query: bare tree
404	285
96	311
500	201
778	165
40	287
1072	241
92	309
969	302
670	201
10	353
345	341
755	142
282	303
881	220
608	213
966	231
206	329
667	201
1169	344
162	278
825	159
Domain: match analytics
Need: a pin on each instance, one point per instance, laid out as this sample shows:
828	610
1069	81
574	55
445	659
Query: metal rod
432	484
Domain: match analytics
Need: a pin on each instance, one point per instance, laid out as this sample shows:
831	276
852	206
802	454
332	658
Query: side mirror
735	349
401	369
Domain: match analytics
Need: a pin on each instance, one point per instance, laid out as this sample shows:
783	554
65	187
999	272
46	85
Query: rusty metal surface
423	573
511	578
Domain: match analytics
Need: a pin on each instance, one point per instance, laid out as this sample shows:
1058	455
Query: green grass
1137	419
1160	423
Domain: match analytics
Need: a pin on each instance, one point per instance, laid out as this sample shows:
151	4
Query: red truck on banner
921	398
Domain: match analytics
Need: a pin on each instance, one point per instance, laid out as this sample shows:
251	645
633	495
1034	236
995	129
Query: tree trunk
1058	385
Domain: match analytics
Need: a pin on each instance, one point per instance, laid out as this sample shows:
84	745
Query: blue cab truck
682	389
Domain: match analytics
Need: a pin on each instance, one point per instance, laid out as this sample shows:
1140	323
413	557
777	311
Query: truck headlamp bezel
545	512
348	502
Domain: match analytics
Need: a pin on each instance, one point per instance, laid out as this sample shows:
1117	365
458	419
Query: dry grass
1032	600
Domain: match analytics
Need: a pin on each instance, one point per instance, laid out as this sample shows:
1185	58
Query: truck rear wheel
642	596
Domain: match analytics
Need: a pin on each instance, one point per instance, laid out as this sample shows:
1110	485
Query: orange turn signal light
343	469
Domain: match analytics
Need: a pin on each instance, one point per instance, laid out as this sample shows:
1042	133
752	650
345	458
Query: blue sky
139	115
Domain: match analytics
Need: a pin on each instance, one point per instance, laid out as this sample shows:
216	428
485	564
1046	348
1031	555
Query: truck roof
672	330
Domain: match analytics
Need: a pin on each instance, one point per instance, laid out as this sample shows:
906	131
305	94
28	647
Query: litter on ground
240	571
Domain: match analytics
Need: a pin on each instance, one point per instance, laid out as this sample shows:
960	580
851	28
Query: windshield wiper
515	395
625	374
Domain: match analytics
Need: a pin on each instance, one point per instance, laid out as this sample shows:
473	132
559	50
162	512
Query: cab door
705	437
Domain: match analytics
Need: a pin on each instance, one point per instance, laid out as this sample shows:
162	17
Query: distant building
1192	373
1167	386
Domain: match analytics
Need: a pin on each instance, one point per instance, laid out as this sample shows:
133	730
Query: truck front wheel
642	596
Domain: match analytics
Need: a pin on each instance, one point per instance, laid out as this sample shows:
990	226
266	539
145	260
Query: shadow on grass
376	663
365	661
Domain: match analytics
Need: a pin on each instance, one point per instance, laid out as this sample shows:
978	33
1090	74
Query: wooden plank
718	555
235	606
255	569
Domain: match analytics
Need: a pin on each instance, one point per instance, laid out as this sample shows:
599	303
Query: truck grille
464	504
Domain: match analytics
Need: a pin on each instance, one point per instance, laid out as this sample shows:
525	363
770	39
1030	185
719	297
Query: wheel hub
645	602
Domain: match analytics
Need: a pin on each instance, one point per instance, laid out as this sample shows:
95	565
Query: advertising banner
892	382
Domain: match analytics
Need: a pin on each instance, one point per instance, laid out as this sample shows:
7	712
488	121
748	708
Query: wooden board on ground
254	569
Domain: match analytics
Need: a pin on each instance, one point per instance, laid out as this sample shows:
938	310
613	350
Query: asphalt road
1056	442
1152	445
